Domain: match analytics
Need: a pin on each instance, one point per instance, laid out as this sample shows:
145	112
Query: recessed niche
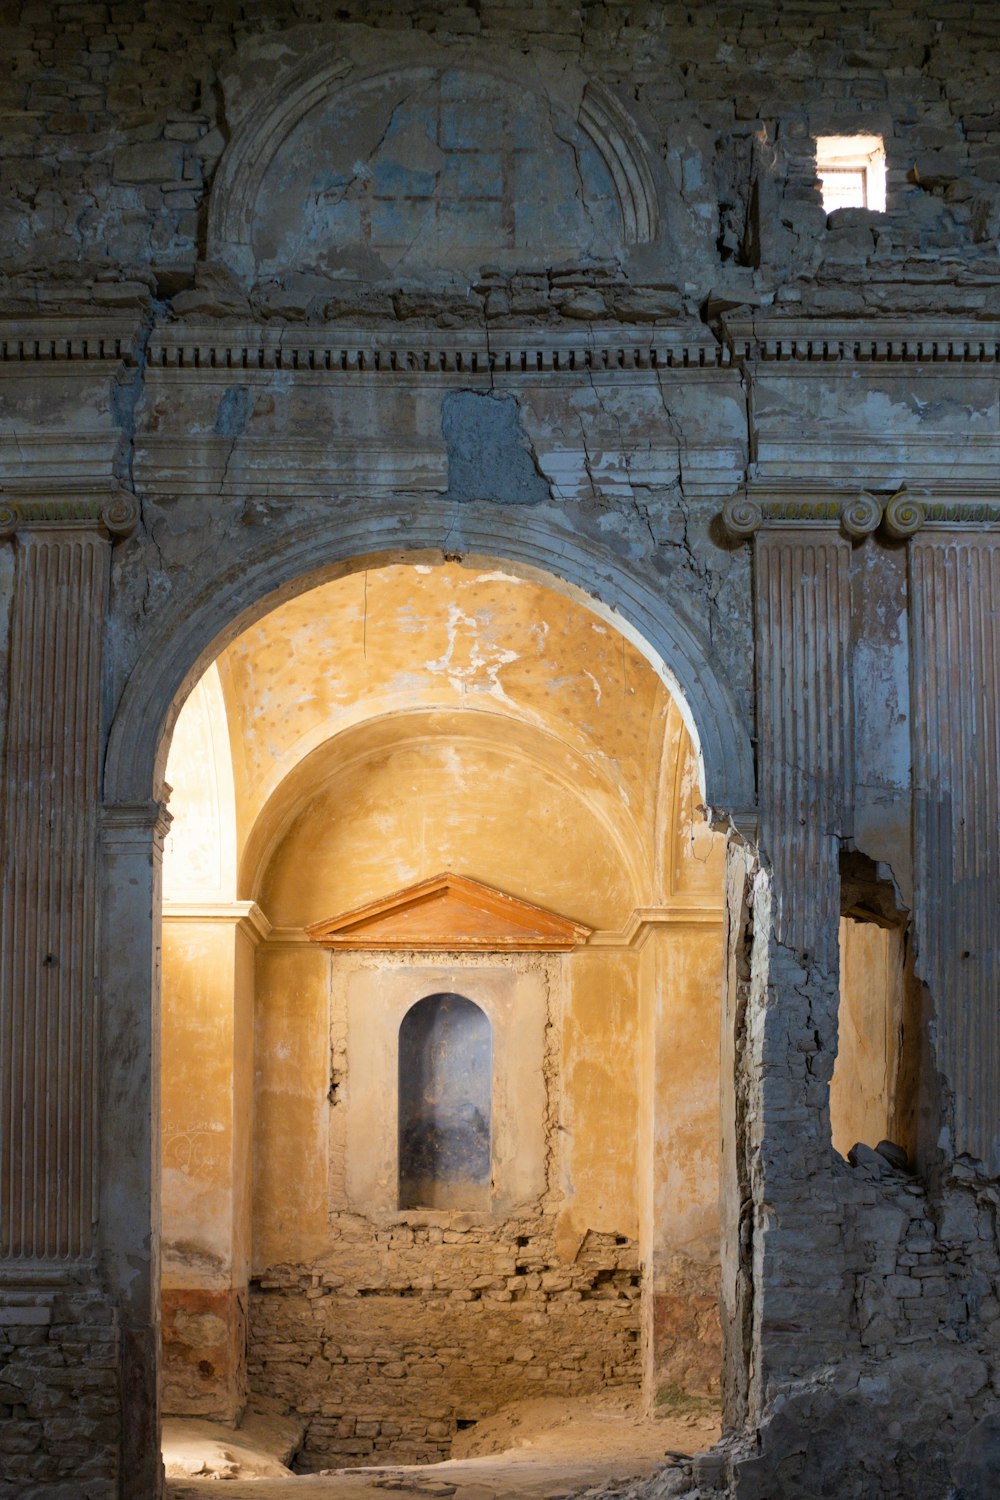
445	1090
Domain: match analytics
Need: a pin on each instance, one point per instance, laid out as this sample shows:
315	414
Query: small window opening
851	171
445	1089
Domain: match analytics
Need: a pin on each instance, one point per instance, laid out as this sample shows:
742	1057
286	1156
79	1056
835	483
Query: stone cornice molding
246	916
59	341
115	516
858	515
399	348
392	348
641	921
395	350
819	341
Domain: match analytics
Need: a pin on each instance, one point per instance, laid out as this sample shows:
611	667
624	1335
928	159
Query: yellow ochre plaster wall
384	728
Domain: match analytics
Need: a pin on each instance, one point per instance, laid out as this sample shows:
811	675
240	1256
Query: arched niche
430	159
445	1104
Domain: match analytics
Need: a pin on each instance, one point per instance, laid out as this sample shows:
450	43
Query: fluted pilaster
955	586
47	921
804	724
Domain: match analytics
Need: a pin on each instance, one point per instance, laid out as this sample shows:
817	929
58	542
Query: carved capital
860	516
904	514
128	827
113	516
741	518
857	516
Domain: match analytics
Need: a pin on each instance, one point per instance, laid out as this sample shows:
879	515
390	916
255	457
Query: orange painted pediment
450	912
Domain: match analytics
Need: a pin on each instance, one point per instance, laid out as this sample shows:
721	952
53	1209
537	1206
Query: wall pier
59	1330
129	1247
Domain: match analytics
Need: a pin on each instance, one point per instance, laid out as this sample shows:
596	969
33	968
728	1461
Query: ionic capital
113	516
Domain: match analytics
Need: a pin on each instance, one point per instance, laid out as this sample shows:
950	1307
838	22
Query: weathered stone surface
488	455
662	327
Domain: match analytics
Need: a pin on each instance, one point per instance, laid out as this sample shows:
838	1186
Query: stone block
24	1317
149	161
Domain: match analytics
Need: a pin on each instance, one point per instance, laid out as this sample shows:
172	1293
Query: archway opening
359	739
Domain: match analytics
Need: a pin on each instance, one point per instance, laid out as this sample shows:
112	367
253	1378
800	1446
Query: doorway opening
463	1160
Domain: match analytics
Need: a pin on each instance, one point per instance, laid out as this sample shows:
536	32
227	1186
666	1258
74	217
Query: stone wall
117	124
59	1396
918	1364
404	1332
758	355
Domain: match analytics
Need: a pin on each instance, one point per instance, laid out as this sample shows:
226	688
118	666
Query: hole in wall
869	1090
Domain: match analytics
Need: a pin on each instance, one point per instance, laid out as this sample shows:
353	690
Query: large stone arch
186	637
279	568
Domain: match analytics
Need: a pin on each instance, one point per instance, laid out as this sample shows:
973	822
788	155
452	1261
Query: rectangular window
851	171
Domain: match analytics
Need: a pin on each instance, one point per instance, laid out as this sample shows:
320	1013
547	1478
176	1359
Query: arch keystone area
195	629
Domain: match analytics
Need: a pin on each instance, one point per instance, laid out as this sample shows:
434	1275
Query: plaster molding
624	154
244	915
450	913
642	921
290	937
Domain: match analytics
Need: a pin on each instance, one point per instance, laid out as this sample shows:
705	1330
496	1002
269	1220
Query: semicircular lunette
450	167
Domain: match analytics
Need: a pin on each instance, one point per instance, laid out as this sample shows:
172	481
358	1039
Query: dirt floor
544	1449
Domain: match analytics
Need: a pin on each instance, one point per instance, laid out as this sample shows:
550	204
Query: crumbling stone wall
59	1395
403	1332
118	122
117	125
869	1290
917	1362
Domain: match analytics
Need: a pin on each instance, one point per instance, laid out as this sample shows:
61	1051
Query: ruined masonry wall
116	127
59	1396
405	1331
921	1274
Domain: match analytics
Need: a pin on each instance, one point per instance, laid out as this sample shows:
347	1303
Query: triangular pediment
446	913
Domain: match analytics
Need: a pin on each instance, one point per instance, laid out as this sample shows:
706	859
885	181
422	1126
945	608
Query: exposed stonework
680	352
404	1332
60	1400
